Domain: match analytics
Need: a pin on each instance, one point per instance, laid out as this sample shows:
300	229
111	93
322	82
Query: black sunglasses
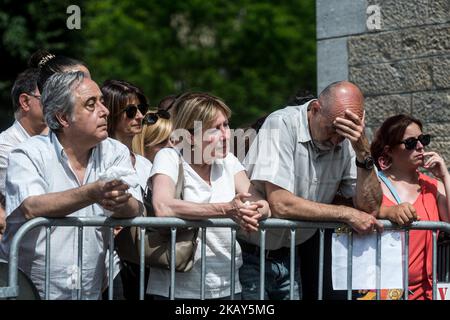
132	109
152	118
411	143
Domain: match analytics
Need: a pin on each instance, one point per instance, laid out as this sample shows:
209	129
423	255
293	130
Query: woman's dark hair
301	97
116	94
390	134
167	102
49	64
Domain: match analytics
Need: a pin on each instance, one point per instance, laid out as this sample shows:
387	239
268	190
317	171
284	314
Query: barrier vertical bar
173	240
292	266
321	256
203	257
349	265
406	266
47	263
434	264
141	263
80	264
262	267
111	264
378	266
233	262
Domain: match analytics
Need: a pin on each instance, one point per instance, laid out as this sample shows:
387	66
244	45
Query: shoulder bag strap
389	185
180	181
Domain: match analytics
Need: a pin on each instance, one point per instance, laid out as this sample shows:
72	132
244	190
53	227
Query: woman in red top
398	150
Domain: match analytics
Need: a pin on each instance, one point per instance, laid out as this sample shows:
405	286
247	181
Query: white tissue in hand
127	175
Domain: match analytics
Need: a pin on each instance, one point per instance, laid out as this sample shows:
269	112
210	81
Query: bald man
304	157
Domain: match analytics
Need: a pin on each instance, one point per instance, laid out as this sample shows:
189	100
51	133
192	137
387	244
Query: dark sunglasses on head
152	118
132	109
411	143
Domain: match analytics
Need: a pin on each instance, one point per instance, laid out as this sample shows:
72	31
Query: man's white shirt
10	138
40	166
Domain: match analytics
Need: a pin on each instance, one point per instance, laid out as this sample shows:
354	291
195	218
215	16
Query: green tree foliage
253	54
26	26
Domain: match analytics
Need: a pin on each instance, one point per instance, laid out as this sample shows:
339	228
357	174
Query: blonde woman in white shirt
215	186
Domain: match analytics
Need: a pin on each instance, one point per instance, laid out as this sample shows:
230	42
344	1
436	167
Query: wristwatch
366	164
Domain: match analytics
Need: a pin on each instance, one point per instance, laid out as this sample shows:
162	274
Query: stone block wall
403	66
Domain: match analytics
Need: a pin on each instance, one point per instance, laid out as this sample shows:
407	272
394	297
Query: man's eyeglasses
411	143
34	95
132	109
152	118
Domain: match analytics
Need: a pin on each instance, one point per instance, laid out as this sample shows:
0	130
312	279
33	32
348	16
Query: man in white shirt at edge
57	176
29	121
312	159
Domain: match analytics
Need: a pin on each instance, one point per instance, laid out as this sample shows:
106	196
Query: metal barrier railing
152	222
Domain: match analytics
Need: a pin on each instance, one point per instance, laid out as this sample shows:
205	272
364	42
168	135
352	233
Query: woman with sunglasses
156	130
408	195
127	106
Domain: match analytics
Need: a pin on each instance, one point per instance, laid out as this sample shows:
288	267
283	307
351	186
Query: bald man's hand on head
352	127
346	103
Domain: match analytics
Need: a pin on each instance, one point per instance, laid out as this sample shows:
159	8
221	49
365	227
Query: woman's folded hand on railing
402	214
245	213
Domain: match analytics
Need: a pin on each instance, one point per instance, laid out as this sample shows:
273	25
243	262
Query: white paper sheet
364	261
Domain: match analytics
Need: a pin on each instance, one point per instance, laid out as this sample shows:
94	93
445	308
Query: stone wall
403	66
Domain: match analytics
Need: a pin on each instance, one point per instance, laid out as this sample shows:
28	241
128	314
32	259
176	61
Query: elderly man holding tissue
65	174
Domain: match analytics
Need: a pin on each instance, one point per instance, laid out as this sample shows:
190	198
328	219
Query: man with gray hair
58	176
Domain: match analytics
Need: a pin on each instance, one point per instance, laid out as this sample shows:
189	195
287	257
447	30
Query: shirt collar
57	145
304	135
303	128
60	149
21	129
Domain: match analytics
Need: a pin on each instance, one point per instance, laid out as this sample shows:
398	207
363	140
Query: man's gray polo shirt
283	153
